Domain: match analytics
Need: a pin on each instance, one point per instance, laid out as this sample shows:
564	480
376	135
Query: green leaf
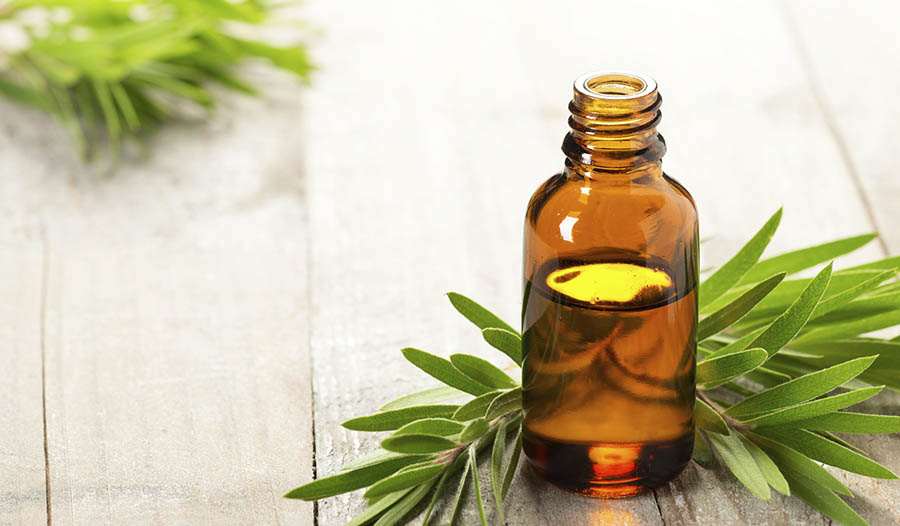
431	426
768	468
845	422
732	271
395	514
459	492
474	461
842	350
378	508
404	479
507	402
477	407
849	329
428	396
477	314
375	457
741	463
815	408
702	454
791	461
844	297
708	419
513	464
800	389
441	369
435	496
476	429
797	260
351	480
738	345
396	418
823	500
820	448
497	469
786	326
725	368
482	371
507	342
417	443
734	311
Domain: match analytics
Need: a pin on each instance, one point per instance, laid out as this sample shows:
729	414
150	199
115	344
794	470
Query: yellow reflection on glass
608	282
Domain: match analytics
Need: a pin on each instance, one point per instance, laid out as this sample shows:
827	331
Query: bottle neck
613	126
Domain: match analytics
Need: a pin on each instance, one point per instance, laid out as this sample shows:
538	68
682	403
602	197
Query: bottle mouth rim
615	85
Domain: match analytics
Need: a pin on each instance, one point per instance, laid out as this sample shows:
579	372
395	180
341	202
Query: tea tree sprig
114	71
779	362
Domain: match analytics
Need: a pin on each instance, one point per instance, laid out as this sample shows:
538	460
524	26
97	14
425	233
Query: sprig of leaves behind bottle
113	71
779	362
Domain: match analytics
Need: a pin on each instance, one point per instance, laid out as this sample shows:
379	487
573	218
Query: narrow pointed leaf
805	258
404	479
767	466
376	457
732	271
786	326
852	328
497	469
708	419
477	314
738	345
836	301
475	430
846	422
505	403
406	504
460	491
435	496
789	461
815	408
441	369
741	463
377	508
800	389
431	426
820	448
823	500
734	311
477	407
417	444
841	350
351	480
513	464
482	371
390	420
507	342
725	368
702	454
428	396
474	461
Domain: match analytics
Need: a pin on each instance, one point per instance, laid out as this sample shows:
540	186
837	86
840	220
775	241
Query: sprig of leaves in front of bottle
773	353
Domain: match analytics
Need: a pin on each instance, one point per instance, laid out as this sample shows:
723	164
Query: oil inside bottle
609	372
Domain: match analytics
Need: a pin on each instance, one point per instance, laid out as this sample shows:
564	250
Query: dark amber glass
610	307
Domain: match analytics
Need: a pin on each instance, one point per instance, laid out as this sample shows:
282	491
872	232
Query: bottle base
607	470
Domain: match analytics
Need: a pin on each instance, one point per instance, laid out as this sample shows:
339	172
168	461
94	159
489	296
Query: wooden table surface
178	343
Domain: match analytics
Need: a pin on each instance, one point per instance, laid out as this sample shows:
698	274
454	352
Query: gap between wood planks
45	272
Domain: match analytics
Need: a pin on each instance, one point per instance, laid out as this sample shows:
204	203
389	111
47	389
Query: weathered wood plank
178	387
22	485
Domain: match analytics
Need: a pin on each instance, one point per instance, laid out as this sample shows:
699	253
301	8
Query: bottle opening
615	85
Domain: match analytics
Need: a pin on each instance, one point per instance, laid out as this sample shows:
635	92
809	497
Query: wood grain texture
178	387
22	481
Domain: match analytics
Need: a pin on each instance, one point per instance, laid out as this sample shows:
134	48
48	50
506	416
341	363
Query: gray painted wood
177	372
22	489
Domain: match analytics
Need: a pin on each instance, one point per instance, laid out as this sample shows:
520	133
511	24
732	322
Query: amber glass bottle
610	307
